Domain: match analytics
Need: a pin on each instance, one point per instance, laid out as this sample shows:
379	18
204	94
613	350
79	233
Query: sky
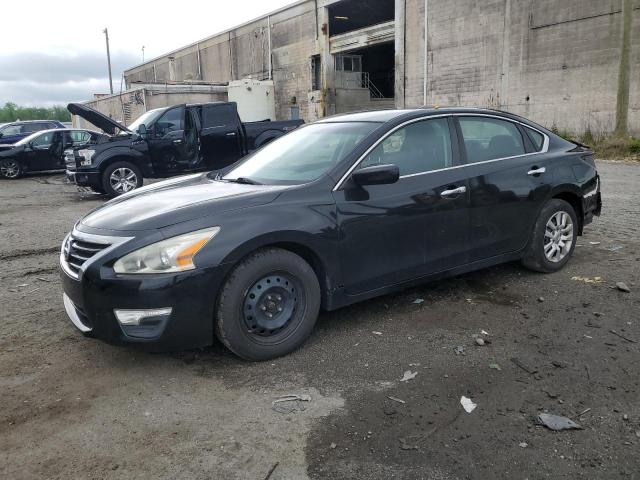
52	53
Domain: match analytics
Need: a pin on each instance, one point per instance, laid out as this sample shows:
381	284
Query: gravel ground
72	407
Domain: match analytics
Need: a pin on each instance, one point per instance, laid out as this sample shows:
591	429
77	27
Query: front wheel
554	238
268	305
10	169
121	177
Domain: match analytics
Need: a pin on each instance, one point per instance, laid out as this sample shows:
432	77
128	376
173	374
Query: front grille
77	252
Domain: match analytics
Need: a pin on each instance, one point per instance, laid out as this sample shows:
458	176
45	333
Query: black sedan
336	212
42	151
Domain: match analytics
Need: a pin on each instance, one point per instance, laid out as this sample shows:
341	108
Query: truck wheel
268	305
554	238
10	169
121	177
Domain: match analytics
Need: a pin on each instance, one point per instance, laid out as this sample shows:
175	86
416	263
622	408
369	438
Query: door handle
454	191
177	142
231	134
536	171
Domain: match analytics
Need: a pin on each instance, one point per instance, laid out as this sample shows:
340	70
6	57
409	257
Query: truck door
166	141
221	136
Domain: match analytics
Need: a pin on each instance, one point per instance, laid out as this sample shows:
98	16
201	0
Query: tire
10	169
272	282
549	249
127	171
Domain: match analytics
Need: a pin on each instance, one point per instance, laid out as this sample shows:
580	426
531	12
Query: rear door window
218	116
33	127
490	138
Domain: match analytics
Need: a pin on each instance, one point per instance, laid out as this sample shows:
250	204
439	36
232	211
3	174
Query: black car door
221	135
418	225
509	180
45	152
166	141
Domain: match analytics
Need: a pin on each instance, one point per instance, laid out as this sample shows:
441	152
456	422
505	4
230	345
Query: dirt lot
72	407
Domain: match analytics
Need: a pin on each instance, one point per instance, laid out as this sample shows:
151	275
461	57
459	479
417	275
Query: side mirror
142	131
376	175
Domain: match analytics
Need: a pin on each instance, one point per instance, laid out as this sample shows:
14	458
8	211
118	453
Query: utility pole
622	104
106	34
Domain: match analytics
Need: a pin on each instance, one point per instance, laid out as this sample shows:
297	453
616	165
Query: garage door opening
351	15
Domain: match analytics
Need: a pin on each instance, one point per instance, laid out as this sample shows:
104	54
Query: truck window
171	121
218	116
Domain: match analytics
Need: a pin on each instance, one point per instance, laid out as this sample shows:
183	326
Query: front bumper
90	301
84	179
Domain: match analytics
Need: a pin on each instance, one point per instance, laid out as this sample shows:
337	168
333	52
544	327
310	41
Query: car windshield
303	155
146	118
30	138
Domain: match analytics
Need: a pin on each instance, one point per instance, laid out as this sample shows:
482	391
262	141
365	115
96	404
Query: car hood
176	201
98	119
6	146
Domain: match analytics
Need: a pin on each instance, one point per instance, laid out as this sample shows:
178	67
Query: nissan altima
336	212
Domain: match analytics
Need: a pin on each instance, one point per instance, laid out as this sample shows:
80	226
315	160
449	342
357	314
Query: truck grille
76	252
70	160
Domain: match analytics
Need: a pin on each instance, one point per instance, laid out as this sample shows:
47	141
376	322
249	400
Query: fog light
136	317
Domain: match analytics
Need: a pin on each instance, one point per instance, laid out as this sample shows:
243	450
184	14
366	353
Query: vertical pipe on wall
269	40
199	62
426	51
624	72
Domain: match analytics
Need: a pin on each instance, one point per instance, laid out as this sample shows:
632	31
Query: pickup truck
165	142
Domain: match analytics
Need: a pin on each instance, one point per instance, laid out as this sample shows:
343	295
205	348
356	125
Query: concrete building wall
555	62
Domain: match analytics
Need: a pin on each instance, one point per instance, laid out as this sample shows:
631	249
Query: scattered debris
523	444
494	366
459	350
42	279
484	332
524	366
22	285
408	375
594	243
271	470
479	342
614	248
541	299
620	286
625	417
396	399
588	279
630	340
587	410
290	403
418	301
559	364
467	404
405	446
556	422
377	333
332	446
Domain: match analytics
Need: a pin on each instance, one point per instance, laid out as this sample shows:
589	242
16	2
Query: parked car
336	212
13	132
166	142
42	151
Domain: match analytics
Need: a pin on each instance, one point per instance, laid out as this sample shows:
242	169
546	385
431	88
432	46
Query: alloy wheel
558	236
9	169
123	180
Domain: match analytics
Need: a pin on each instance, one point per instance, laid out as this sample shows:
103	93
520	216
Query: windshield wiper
242	180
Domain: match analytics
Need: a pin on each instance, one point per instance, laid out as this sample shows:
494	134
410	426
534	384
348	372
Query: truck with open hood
165	142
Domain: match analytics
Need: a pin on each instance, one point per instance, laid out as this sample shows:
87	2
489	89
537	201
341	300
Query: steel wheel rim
558	236
123	180
10	169
270	305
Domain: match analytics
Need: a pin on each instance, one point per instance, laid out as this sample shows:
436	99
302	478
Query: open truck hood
104	123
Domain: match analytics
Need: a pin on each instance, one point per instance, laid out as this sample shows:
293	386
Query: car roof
383	116
68	130
20	122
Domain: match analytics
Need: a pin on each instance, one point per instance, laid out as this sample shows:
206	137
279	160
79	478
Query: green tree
11	112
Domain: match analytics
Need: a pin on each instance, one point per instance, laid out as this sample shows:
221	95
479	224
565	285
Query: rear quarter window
536	138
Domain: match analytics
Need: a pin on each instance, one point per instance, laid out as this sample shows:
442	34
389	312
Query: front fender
141	159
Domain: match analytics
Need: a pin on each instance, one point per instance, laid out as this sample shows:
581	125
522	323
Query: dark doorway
378	63
352	15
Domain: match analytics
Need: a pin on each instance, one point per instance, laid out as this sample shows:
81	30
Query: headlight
87	155
173	255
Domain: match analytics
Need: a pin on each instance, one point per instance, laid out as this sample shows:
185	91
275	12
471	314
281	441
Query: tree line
11	112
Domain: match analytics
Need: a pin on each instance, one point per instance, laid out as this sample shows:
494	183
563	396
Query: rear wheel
268	305
554	238
121	177
10	169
